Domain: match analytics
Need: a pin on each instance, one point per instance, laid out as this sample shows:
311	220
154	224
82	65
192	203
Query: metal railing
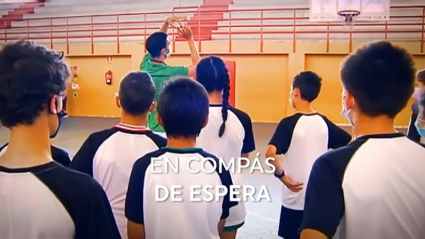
143	29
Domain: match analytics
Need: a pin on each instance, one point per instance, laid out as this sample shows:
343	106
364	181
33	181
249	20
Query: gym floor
262	217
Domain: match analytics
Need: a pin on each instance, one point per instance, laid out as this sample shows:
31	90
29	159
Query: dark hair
212	73
381	78
309	84
183	107
155	43
137	93
421	76
30	75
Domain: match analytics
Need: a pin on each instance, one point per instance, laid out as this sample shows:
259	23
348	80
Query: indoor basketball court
342	17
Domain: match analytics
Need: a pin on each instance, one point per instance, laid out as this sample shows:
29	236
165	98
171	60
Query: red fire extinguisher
108	77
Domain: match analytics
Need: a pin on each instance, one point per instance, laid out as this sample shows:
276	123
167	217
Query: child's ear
205	123
117	100
152	107
53	106
158	117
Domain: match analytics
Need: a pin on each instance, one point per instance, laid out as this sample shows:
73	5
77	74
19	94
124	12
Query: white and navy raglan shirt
302	138
187	218
59	155
109	155
238	139
371	189
52	201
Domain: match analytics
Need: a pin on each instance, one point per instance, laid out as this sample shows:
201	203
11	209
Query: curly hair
30	75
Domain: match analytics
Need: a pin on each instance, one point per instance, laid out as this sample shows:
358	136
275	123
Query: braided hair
212	73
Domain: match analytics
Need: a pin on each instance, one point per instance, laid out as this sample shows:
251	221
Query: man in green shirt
158	48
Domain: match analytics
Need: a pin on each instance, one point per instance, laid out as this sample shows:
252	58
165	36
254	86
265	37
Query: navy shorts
290	223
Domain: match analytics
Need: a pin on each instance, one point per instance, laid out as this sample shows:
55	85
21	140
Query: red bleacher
18	13
208	15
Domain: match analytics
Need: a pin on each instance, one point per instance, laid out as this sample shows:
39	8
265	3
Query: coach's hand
175	19
293	186
185	32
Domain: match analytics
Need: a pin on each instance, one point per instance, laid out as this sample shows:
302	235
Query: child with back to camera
229	128
183	112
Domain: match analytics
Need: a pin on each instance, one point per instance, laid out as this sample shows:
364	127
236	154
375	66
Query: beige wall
262	79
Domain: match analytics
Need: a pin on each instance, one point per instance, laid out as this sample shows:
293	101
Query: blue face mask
421	130
346	113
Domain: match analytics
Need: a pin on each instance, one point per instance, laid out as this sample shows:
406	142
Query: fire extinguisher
108	77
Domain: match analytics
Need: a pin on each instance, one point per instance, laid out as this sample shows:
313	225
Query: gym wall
262	79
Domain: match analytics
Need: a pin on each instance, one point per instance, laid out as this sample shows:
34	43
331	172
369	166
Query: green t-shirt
160	73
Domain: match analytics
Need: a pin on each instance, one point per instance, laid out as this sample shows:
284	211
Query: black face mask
59	125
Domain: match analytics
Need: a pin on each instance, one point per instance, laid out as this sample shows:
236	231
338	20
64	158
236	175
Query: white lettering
230	167
158	198
269	162
169	164
175	190
242	165
190	169
210	162
193	193
256	165
154	164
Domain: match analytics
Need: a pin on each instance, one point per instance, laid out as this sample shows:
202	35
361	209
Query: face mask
291	101
416	93
59	125
346	114
168	52
420	129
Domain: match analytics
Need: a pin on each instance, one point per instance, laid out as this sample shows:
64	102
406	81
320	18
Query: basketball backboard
370	10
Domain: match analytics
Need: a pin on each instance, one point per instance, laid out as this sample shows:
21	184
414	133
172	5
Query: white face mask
346	113
416	93
169	51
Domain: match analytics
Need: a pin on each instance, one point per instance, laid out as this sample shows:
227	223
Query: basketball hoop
348	17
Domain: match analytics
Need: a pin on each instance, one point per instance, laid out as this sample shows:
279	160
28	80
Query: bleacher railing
142	30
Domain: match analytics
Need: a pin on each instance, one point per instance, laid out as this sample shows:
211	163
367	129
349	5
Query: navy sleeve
337	136
157	139
226	180
281	138
83	159
324	201
84	200
248	141
100	219
134	210
412	132
60	156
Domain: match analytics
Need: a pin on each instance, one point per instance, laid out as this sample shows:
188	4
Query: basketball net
348	18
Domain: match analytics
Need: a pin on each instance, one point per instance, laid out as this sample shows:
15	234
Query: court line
262	217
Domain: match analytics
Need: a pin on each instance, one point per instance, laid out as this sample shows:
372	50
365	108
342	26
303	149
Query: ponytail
225	104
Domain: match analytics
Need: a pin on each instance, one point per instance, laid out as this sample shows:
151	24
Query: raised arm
187	34
170	21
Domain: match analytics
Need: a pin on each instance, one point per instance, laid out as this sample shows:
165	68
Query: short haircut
421	76
30	75
155	43
212	73
381	78
309	84
183	107
137	93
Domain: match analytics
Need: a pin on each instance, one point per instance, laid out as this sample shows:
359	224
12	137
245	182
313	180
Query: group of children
369	185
